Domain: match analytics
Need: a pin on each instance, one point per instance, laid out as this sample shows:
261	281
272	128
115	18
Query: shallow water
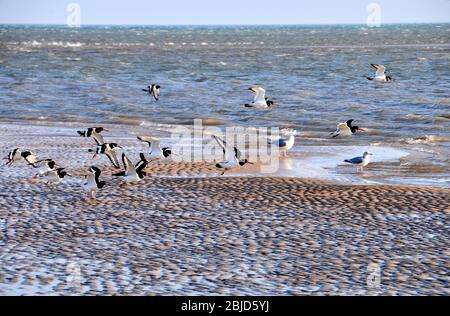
315	74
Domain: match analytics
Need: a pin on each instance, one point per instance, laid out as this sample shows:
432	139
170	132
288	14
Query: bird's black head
95	170
270	103
62	173
51	164
99	129
167	152
357	129
113	145
389	78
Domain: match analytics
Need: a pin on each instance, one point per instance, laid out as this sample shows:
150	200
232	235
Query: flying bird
380	75
260	100
346	129
232	156
284	143
17	154
43	166
155	151
55	176
153	90
107	149
93	132
132	173
92	182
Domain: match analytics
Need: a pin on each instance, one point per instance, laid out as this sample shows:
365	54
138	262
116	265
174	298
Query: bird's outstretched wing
151	141
381	70
129	166
98	138
142	164
111	154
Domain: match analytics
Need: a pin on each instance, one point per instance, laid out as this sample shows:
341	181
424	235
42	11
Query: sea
315	74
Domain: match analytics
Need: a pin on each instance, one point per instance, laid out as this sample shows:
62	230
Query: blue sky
210	12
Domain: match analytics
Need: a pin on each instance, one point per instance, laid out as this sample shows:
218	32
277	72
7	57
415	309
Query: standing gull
232	156
346	129
55	176
286	143
380	75
360	162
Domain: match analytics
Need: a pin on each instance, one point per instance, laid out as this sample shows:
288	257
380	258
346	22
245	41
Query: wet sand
217	236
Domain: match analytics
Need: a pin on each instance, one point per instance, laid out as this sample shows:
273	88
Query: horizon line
190	25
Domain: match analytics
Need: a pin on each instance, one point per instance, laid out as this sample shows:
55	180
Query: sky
215	12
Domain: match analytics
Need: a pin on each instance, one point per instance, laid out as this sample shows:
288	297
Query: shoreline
307	162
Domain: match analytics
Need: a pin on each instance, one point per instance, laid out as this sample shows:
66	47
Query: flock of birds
133	173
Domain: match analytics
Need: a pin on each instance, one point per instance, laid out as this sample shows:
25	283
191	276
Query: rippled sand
219	236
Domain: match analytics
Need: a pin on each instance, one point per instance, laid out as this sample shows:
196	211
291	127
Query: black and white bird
43	166
55	176
232	156
107	149
360	162
92	182
17	154
155	152
380	75
286	142
260	100
153	90
346	129
133	173
94	132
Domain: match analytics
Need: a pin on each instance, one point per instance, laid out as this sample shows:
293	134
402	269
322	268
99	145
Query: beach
185	230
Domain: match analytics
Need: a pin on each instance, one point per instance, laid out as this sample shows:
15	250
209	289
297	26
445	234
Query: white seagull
346	129
260	100
232	156
380	75
92	181
360	162
56	176
107	149
132	173
286	143
155	152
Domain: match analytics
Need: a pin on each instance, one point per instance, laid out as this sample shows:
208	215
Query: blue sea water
315	74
